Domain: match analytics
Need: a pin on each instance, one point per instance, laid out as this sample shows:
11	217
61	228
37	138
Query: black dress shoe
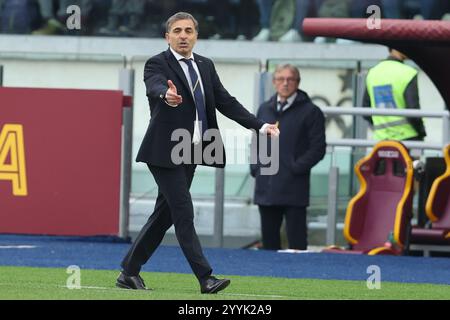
213	285
130	282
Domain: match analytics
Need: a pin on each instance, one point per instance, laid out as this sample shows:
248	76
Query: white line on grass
222	293
18	247
100	288
47	286
133	291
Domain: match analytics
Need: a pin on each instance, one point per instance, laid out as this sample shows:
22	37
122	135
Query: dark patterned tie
281	106
198	95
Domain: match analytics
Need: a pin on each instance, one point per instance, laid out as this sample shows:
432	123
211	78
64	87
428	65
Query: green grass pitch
18	283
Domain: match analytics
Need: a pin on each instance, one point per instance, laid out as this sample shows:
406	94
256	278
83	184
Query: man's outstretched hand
272	130
172	96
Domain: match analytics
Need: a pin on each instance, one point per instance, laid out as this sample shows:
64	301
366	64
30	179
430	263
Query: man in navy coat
184	92
302	145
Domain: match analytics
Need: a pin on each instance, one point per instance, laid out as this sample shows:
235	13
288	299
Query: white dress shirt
289	100
197	136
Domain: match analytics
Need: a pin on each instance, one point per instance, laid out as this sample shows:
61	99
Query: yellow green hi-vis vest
386	85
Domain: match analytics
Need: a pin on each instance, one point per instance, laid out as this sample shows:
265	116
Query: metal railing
126	84
444	115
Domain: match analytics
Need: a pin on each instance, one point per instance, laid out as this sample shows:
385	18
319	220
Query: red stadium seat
378	217
438	211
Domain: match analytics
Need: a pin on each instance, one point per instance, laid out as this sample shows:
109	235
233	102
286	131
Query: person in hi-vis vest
391	84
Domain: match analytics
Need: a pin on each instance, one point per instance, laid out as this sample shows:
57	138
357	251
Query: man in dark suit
301	146
184	91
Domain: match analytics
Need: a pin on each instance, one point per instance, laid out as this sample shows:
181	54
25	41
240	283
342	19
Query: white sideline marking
95	288
138	291
18	247
221	293
40	286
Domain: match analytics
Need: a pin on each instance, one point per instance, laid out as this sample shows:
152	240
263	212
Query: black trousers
173	206
296	228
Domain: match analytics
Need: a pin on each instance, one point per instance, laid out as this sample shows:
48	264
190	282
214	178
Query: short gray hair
180	16
290	67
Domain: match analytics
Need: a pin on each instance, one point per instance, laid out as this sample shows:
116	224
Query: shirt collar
289	100
179	56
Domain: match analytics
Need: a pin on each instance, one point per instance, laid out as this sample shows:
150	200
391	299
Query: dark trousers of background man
296	228
173	207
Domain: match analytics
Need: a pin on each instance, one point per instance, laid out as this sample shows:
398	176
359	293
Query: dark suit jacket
157	146
302	146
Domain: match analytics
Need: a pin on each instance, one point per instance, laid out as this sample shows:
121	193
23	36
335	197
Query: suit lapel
274	104
175	65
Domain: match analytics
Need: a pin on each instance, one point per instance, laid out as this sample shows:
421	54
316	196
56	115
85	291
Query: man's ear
167	37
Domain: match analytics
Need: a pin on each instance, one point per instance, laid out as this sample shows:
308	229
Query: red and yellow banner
60	157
